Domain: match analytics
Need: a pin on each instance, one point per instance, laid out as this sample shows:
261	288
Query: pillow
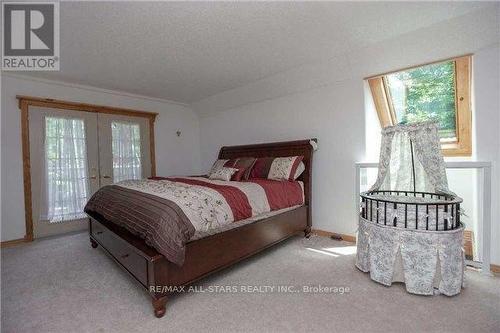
219	164
261	167
242	163
284	168
299	171
222	174
277	168
238	175
244	166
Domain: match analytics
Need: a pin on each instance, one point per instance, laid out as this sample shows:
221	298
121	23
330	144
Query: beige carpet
63	285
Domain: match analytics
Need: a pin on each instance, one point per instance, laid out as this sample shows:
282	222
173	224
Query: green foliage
429	95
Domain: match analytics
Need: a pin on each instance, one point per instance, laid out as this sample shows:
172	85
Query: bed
207	253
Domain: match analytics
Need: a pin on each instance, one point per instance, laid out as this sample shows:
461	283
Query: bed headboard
280	149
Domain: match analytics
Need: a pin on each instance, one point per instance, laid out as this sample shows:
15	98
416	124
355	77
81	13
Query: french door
73	154
123	148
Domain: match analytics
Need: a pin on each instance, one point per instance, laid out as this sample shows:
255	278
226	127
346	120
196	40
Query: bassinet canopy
409	224
411	160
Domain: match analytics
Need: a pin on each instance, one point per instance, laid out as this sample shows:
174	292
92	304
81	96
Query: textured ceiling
191	50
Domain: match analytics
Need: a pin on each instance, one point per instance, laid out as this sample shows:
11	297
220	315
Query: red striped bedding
243	200
167	212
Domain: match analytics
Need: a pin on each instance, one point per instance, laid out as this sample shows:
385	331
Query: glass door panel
63	150
124	150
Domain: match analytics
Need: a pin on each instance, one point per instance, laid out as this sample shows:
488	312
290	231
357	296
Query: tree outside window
438	91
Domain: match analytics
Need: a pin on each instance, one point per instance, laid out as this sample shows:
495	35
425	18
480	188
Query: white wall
327	101
323	100
486	67
323	113
174	155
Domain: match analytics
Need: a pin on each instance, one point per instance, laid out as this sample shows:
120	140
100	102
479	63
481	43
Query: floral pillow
219	164
222	174
284	168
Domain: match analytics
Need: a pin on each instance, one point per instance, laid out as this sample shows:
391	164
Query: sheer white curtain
126	139
65	163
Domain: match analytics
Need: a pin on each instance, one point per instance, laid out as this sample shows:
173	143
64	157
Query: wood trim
389	101
25	138
419	65
463	109
323	233
495	268
77	106
380	100
13	242
26	101
385	112
152	146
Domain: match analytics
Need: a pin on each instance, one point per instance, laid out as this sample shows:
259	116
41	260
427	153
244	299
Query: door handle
106	177
93	174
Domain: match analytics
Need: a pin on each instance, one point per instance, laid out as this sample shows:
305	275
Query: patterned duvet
166	212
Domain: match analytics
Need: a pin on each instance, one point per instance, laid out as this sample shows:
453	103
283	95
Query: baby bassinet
409	222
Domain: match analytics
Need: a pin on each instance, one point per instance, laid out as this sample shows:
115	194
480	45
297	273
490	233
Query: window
438	91
65	169
126	138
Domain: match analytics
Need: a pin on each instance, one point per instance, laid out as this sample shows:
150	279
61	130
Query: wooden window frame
385	111
26	101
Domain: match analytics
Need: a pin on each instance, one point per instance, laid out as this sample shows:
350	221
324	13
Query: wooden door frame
26	101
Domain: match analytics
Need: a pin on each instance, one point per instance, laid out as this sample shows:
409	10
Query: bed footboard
203	256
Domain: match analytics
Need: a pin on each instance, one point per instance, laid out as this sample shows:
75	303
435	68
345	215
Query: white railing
484	201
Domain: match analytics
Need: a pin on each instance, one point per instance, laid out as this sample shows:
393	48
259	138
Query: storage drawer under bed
121	251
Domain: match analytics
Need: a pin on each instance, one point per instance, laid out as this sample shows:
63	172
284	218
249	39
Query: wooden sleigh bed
212	253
